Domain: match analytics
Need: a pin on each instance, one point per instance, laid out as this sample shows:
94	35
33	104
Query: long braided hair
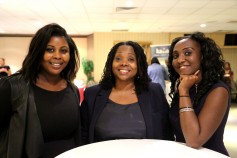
141	80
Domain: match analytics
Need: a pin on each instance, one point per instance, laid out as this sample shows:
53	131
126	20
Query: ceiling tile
87	16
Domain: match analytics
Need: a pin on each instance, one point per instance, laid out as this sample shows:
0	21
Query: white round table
139	148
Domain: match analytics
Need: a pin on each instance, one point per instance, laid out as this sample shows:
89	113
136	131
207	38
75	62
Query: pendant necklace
196	86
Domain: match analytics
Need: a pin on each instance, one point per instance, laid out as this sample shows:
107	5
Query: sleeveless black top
216	141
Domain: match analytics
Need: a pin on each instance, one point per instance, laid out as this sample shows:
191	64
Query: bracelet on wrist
185	109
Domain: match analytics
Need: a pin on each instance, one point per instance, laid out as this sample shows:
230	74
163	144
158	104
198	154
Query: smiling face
56	56
124	64
186	57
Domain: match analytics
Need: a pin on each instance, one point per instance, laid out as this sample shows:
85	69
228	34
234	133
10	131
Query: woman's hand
186	82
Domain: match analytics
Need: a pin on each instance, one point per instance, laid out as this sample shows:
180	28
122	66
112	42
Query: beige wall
14	50
103	42
98	45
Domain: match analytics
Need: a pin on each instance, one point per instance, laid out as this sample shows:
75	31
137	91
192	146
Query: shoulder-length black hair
155	60
32	63
141	80
212	65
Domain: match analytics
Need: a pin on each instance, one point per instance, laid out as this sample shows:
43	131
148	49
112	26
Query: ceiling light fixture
1	30
2	1
203	25
129	3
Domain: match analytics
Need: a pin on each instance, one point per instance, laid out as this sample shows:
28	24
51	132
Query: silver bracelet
186	109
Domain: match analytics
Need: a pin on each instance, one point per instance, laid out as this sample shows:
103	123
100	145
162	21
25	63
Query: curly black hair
141	80
212	65
32	63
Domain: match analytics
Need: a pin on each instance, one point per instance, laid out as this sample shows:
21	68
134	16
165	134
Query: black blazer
154	107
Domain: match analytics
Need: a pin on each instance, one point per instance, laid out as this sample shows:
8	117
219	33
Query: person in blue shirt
157	73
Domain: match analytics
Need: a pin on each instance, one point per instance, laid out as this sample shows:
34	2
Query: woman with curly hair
125	104
200	97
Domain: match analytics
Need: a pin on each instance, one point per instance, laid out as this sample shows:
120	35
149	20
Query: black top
153	105
5	102
120	122
216	141
58	115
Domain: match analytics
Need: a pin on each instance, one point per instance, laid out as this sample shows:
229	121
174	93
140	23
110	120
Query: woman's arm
197	130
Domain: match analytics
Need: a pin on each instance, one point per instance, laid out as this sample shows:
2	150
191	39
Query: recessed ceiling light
129	3
122	24
2	1
1	30
203	25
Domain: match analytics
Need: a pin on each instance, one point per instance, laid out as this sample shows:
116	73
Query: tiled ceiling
84	17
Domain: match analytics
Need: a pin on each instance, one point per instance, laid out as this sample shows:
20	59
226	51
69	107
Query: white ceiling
83	17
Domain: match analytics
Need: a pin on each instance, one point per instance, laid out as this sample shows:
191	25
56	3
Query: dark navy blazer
154	108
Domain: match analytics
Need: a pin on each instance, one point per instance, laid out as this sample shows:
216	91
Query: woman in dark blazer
125	104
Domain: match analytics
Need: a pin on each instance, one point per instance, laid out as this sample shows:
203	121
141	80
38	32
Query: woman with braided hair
125	104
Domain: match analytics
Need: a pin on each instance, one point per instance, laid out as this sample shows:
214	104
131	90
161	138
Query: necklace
196	86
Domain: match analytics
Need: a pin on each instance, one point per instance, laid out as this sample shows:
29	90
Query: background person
157	73
125	104
200	97
39	112
228	71
4	69
229	76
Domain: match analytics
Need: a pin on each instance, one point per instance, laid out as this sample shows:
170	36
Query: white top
139	148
